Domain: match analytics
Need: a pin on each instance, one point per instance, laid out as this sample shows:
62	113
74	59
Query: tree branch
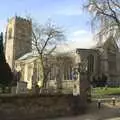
114	14
101	11
117	5
51	50
36	43
46	42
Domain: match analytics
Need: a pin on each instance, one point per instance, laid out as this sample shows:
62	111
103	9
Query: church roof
100	48
31	55
79	50
27	56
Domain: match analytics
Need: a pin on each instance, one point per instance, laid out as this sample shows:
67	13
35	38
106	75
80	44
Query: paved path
107	111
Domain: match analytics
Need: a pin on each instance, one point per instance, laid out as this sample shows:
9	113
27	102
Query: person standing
99	103
113	101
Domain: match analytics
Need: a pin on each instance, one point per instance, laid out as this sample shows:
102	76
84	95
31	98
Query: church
103	59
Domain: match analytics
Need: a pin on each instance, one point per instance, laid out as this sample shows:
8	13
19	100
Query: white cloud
82	39
79	39
69	10
80	32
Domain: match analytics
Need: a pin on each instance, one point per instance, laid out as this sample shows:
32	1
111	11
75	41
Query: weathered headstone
76	87
13	90
21	87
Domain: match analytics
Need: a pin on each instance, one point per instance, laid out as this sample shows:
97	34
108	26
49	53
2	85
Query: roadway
107	112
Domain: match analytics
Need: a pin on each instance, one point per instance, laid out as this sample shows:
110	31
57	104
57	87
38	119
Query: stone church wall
32	107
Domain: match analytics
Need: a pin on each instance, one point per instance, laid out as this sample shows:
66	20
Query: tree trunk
59	81
42	73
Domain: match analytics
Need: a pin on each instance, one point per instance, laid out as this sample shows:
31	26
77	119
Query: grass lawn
105	91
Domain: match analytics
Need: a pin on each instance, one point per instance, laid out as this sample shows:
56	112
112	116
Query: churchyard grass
105	91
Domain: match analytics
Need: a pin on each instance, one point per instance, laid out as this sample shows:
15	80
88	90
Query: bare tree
45	39
106	17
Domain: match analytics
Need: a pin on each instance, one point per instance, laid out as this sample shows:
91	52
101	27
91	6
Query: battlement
18	18
22	19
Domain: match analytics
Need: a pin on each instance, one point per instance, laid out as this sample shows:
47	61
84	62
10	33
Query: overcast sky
68	14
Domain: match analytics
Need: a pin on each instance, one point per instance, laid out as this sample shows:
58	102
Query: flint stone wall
34	107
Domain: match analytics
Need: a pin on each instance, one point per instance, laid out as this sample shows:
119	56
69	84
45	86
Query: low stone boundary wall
34	107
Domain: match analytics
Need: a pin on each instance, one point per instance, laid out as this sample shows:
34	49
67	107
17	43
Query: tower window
10	33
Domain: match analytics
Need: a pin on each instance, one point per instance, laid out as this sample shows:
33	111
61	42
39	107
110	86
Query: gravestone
21	87
13	90
76	86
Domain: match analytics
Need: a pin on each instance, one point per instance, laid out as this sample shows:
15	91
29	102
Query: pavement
106	112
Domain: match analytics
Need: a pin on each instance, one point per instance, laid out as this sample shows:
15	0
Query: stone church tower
17	39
